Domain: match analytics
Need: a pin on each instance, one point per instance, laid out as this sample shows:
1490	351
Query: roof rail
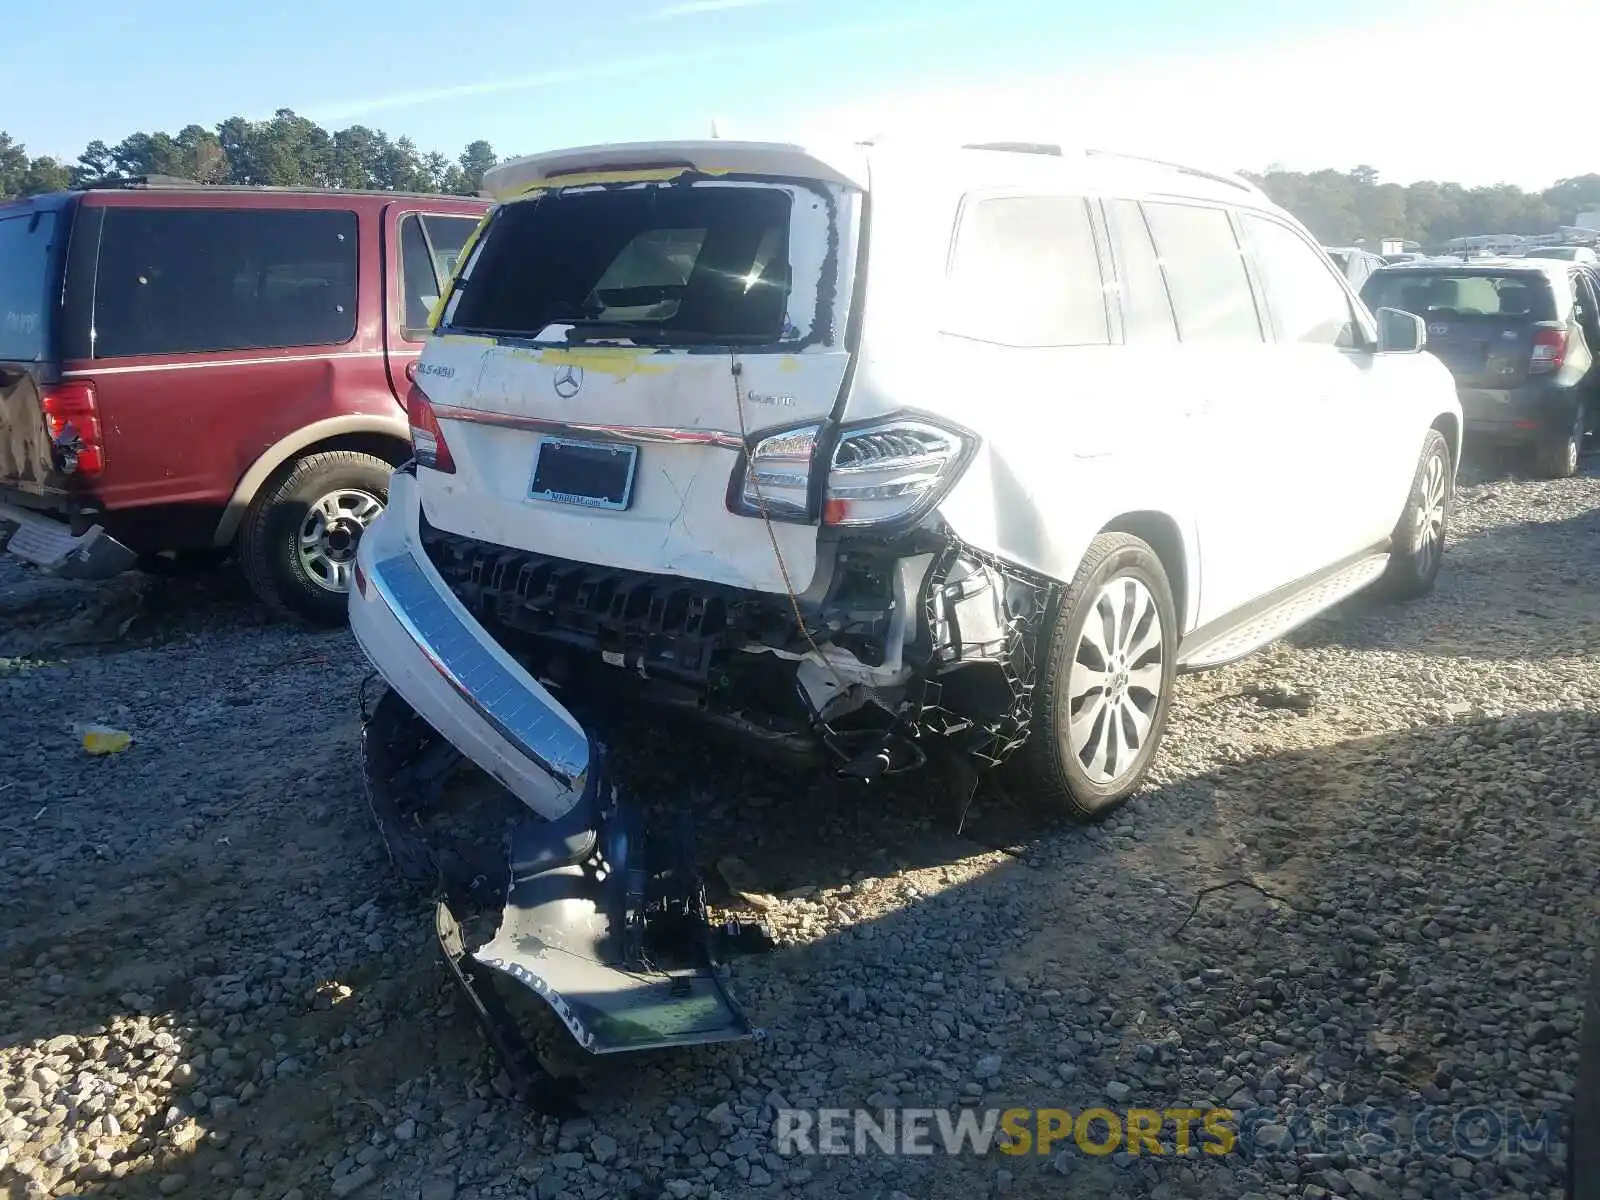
147	181
1199	172
1017	147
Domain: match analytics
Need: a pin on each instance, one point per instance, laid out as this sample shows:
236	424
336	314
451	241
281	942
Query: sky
1236	84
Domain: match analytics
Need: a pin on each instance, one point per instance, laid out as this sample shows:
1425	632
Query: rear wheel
299	539
1557	457
1101	702
1416	548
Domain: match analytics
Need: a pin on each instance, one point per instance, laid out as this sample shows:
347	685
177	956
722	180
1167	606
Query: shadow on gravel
43	617
1395	920
1523	592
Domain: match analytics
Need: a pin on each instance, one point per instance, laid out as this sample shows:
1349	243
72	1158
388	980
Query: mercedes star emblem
569	381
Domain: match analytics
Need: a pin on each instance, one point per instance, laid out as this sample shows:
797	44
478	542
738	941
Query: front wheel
1101	701
299	539
1416	548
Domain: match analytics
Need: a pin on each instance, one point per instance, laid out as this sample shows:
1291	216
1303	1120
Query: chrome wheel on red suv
299	540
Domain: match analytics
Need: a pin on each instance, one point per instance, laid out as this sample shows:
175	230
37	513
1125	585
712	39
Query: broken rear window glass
705	264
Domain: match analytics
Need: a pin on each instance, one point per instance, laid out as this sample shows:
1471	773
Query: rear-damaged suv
1521	337
947	456
185	370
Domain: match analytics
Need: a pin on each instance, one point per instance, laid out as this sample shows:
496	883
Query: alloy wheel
1115	682
1427	539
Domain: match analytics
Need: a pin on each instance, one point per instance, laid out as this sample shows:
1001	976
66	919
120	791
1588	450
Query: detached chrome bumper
431	651
606	925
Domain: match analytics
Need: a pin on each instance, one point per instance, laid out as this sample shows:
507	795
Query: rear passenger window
430	247
1146	307
1205	272
178	281
1306	300
1026	273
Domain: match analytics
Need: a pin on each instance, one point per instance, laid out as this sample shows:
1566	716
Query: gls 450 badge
435	369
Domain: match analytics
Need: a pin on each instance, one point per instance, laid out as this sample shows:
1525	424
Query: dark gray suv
1522	338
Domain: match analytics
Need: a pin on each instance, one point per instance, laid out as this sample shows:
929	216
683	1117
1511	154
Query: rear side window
1307	301
179	281
1205	271
26	259
1146	306
1447	293
696	265
1026	273
430	246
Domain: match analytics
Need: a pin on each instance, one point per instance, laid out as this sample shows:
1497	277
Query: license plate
593	474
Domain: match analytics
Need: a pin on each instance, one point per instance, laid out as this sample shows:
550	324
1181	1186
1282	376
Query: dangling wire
737	369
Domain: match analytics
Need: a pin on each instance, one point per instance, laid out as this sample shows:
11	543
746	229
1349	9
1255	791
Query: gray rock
348	1185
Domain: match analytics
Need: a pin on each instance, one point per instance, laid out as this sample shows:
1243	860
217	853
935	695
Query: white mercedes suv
906	456
898	453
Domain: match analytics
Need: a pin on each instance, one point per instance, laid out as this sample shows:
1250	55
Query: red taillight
72	418
427	439
1549	350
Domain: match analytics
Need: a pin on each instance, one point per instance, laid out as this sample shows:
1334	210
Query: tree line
288	150
1344	207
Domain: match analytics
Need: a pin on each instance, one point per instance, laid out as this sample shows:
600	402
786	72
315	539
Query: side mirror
1400	332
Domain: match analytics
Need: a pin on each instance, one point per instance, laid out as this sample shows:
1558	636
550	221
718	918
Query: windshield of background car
25	271
701	264
1524	294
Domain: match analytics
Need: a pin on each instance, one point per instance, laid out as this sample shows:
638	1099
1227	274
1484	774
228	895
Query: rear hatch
33	239
1492	326
614	343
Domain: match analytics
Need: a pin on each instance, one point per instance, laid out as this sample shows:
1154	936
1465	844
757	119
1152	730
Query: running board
1205	648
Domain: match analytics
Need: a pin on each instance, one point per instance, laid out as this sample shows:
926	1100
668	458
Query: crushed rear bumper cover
50	545
606	925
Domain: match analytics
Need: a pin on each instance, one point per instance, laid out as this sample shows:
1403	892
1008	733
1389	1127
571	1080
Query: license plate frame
550	489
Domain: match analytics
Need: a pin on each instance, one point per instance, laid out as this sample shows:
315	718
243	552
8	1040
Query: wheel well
1447	425
392	450
1160	532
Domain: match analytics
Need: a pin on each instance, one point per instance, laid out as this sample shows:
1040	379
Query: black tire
1411	572
1557	456
269	541
1058	776
1583	1140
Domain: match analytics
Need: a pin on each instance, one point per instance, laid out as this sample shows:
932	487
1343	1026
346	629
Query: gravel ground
215	987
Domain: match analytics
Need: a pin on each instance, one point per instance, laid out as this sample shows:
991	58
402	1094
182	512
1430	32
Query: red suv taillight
1549	350
72	418
427	439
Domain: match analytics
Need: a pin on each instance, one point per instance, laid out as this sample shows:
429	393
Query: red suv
186	369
